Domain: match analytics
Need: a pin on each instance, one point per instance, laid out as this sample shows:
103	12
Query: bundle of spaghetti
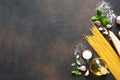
105	51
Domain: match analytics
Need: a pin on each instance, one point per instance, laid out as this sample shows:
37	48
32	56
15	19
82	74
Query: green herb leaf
79	73
78	61
102	15
94	18
108	20
74	72
73	64
105	21
99	11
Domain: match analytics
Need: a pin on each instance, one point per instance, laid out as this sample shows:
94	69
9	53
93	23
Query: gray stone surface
38	37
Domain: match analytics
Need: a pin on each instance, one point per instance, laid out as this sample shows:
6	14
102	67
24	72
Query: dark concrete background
38	37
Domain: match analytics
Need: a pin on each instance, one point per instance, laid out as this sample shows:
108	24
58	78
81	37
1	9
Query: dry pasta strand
105	51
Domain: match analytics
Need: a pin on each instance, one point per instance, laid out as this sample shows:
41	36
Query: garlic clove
119	33
118	20
82	68
109	26
87	73
98	23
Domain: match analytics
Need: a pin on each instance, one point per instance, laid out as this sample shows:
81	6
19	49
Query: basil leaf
94	18
73	64
78	61
108	20
74	72
105	21
99	11
79	73
102	15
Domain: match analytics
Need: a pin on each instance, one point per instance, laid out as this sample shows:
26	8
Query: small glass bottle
98	67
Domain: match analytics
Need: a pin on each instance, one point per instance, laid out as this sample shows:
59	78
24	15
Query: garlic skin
77	56
100	29
105	32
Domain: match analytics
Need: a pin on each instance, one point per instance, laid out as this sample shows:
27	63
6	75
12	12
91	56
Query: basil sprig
101	17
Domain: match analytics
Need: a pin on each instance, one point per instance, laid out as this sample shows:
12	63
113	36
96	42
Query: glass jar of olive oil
98	67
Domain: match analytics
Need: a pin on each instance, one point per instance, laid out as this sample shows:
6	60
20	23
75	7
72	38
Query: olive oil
98	67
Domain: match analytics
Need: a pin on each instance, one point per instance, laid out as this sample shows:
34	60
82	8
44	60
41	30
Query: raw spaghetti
104	51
